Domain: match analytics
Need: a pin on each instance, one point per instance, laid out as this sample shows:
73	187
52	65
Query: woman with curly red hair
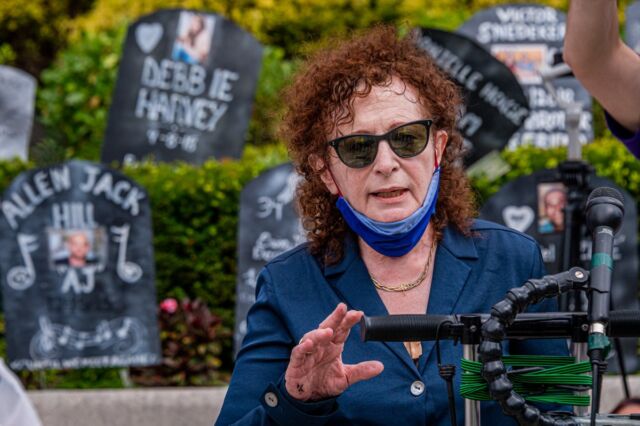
389	218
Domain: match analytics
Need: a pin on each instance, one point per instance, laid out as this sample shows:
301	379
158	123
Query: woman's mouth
390	194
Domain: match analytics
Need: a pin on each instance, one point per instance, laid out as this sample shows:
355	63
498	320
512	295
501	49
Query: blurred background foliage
73	48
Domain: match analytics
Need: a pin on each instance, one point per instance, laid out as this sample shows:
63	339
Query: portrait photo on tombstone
193	38
77	248
552	198
524	61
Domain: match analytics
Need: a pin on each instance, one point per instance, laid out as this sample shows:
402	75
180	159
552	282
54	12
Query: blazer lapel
449	279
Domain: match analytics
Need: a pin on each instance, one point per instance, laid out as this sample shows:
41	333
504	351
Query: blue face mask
393	239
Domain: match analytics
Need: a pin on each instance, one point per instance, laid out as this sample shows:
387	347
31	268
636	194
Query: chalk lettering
40	180
121	194
491	32
22	202
92	173
533	14
452	64
175	76
73	282
220	85
61	179
172	108
75	215
469	123
508	107
11	212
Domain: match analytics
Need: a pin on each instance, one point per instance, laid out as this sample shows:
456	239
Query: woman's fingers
335	318
310	342
363	371
350	319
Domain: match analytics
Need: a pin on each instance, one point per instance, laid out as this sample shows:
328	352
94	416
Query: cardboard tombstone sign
495	105
525	37
17	99
268	226
185	89
77	269
534	204
632	26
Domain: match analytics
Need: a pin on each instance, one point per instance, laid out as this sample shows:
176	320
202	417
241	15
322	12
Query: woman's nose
386	160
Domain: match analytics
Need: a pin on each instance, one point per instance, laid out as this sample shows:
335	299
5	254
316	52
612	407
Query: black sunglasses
407	140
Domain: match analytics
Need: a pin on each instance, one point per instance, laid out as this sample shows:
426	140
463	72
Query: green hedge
609	157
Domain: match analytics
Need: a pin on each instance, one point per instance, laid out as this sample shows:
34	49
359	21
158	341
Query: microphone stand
575	175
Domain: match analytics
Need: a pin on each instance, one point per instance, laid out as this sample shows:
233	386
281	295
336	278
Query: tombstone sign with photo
185	89
525	37
632	26
539	213
495	105
17	101
268	226
77	269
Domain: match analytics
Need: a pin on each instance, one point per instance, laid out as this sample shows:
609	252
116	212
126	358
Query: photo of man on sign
75	248
552	198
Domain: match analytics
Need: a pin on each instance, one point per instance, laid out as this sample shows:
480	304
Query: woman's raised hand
315	368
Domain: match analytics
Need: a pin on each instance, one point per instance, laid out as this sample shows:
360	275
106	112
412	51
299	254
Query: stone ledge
181	406
126	407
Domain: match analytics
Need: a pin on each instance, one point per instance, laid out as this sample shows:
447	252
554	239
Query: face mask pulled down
393	239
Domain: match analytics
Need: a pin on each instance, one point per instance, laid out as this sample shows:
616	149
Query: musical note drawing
128	272
64	338
23	277
126	335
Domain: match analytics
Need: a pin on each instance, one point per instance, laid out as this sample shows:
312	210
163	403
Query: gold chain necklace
407	286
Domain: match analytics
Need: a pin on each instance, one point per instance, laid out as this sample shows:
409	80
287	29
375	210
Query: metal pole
579	351
573	112
471	407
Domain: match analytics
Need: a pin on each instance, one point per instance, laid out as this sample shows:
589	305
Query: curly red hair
321	97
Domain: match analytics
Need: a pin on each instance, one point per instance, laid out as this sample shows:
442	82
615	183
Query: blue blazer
295	293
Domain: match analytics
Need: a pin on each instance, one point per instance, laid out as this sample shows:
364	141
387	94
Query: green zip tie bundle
544	385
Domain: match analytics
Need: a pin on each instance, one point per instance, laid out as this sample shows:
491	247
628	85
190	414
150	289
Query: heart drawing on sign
148	36
518	218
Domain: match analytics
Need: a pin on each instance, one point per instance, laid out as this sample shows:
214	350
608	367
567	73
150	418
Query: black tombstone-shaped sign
525	37
495	105
268	226
185	89
632	26
17	98
77	269
538	212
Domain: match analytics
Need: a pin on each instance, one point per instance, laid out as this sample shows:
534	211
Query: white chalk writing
44	184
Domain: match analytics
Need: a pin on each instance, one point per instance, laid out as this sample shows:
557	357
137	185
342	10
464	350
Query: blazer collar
352	282
450	277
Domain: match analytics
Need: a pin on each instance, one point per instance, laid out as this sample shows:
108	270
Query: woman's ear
440	143
319	166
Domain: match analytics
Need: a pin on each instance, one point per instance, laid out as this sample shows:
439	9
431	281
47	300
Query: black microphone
604	213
